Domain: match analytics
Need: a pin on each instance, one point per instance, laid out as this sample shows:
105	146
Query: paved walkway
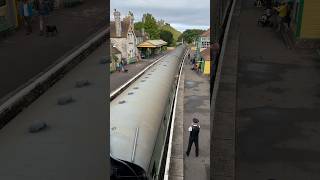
278	108
23	57
196	104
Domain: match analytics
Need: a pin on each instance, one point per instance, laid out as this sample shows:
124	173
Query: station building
206	61
8	15
115	59
151	48
305	23
122	36
205	40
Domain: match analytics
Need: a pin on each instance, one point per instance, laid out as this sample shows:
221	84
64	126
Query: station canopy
152	43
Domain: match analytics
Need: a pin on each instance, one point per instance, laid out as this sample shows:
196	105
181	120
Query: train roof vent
136	88
63	100
122	102
37	126
143	80
82	83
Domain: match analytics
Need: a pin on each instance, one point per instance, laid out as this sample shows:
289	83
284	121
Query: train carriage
140	119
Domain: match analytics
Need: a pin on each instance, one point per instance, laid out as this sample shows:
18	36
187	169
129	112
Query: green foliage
174	32
166	36
151	27
115	58
138	25
190	35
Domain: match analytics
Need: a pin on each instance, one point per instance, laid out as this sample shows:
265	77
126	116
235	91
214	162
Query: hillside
174	32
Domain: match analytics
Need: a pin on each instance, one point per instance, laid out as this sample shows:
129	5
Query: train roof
136	114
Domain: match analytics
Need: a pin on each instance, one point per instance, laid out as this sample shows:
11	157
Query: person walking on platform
25	8
42	6
282	13
194	130
193	62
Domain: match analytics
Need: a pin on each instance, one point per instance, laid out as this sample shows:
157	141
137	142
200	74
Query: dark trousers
196	143
27	20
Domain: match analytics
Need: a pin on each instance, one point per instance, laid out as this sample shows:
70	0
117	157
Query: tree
166	36
151	26
174	32
138	25
190	35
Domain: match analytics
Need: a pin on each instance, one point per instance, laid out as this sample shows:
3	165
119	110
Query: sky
180	14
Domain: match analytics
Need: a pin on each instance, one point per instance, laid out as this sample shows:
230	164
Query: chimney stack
117	21
131	18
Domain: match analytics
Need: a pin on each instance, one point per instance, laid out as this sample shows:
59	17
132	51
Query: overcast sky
181	14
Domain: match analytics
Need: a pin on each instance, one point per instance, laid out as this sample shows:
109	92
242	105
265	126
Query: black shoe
187	154
197	155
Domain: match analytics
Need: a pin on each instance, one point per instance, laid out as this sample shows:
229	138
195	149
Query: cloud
181	14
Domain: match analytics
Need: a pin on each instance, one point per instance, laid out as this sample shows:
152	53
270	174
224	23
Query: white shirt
25	10
190	128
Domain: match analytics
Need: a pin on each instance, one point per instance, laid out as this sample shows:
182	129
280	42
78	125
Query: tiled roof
206	54
153	43
115	50
206	33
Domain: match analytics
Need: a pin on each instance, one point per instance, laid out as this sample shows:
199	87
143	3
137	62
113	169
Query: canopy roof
206	54
152	43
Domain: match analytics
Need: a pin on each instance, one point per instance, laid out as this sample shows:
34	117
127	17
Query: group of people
280	10
120	66
26	9
195	65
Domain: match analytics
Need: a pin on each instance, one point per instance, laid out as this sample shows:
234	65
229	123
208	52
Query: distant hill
174	32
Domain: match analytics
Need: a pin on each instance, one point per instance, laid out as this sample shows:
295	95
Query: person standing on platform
26	14
43	8
194	130
282	13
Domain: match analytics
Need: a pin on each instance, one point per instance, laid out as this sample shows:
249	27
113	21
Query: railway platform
193	101
196	105
267	105
119	78
23	57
